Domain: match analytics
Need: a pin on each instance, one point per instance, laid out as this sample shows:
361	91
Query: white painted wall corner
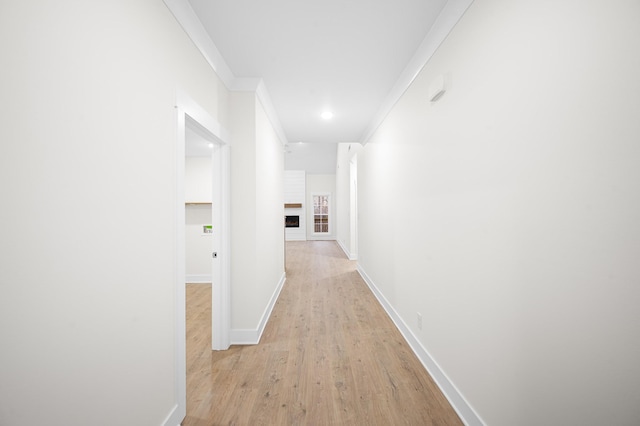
252	336
346	251
174	418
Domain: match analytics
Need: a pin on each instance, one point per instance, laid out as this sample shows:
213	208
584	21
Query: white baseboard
198	279
321	238
240	336
467	414
175	417
350	256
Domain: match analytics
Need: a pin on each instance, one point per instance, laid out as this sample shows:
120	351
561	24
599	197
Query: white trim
296	238
198	279
188	111
244	336
188	20
446	20
265	100
346	252
180	390
253	336
173	419
467	414
221	265
222	159
353	206
321	237
201	121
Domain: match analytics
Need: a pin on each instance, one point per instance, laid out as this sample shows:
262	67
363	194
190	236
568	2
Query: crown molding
446	20
265	100
190	23
188	20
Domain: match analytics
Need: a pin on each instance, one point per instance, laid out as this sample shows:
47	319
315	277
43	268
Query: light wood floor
329	356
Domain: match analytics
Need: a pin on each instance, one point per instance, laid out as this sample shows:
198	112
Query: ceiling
343	56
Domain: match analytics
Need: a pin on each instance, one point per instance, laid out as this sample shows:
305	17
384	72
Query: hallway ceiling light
327	115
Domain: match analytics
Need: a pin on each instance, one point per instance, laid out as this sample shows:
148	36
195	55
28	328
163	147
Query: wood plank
329	355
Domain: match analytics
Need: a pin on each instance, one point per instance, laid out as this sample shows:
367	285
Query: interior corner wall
321	184
88	177
506	213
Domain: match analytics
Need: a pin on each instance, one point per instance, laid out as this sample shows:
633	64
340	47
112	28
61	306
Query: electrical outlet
419	320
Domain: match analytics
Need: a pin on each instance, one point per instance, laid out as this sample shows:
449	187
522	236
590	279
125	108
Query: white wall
87	177
243	209
257	210
198	245
507	212
321	184
198	179
269	215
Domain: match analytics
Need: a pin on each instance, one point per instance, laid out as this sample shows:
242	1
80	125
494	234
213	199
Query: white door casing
189	113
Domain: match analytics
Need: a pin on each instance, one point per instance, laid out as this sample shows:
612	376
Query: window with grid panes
321	214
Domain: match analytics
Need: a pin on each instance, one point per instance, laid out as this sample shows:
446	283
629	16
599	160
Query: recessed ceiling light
327	115
210	145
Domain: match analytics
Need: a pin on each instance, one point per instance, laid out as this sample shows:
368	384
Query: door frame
190	113
353	208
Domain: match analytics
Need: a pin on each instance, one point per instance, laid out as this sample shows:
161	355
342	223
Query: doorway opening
193	119
353	208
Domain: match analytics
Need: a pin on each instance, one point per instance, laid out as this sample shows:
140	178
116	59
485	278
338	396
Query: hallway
329	356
